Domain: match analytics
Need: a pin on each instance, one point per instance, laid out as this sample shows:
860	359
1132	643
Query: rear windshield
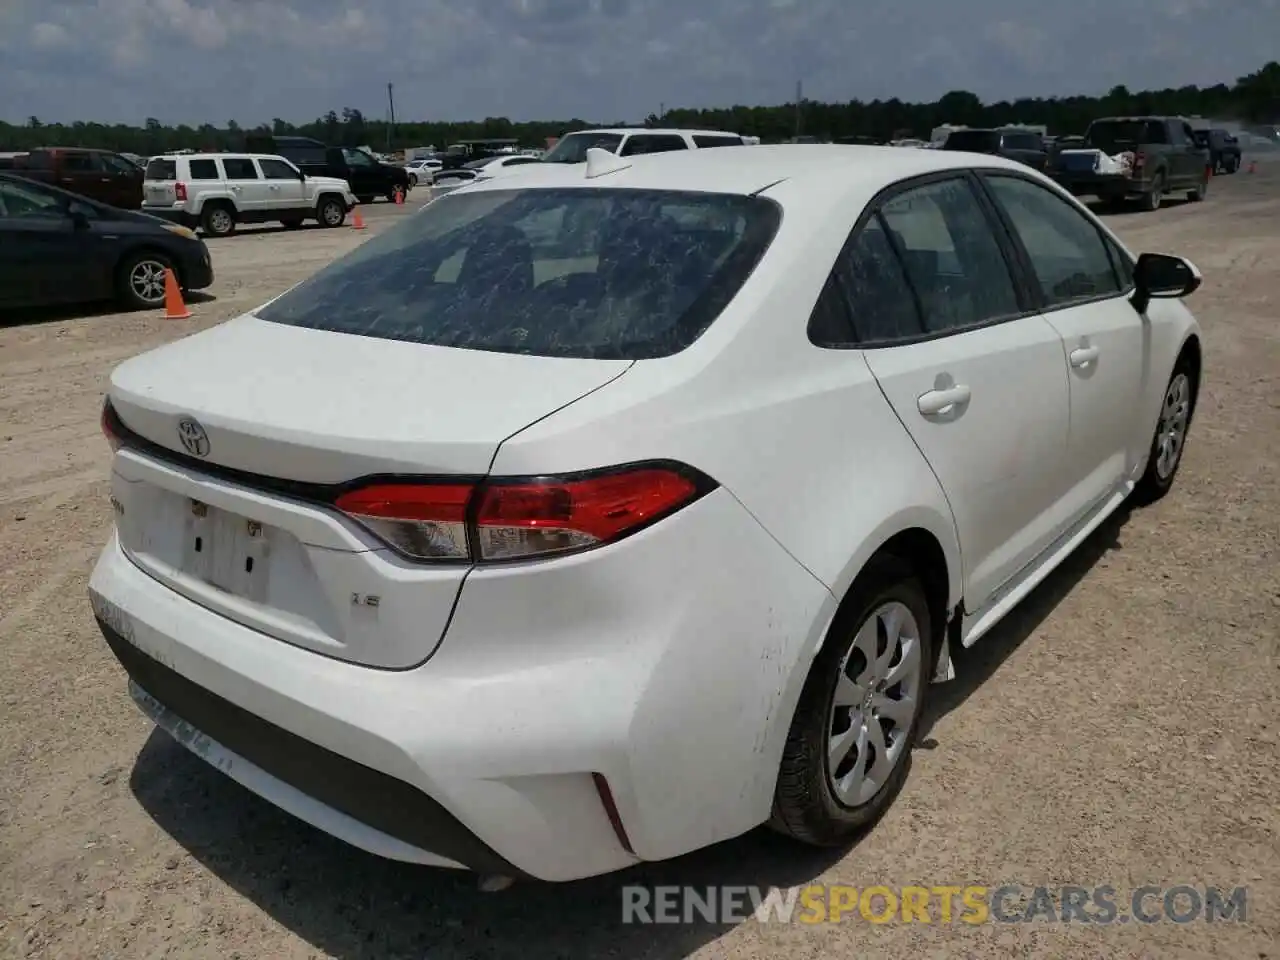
592	273
706	140
978	141
1125	133
573	148
1023	141
159	169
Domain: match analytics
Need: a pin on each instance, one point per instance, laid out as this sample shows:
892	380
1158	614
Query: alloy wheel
874	704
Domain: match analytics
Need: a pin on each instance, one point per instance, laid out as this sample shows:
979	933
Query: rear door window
80	163
579	272
707	140
639	143
202	170
952	258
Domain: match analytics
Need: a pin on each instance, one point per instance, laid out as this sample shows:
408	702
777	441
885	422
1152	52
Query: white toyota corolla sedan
596	514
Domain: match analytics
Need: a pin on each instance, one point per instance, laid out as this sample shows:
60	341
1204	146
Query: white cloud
595	59
50	36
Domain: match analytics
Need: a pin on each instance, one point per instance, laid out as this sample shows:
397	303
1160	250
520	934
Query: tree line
1252	98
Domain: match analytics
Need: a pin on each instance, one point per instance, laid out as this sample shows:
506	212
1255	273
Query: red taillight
427	521
504	519
107	422
180	191
1139	160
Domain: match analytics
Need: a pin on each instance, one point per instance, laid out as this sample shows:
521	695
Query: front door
363	174
1104	340
284	188
44	258
974	375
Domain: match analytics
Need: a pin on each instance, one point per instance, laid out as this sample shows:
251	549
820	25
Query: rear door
82	172
972	371
248	189
124	181
1103	337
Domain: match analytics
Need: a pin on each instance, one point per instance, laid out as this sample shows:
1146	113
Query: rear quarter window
701	140
587	273
160	169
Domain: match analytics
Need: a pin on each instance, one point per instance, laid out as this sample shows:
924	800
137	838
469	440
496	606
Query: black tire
1151	201
331	211
1201	189
1158	478
135	292
413	179
806	806
293	223
1233	164
218	219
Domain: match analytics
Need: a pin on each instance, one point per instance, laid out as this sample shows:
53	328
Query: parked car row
218	191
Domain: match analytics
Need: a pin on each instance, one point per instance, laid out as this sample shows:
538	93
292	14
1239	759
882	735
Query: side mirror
1161	276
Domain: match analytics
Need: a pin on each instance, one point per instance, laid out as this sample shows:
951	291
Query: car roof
622	131
810	166
218	156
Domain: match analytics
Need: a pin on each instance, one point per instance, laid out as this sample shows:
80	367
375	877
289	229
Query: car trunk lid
238	440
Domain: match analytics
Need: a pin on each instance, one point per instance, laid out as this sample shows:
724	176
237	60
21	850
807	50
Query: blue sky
212	60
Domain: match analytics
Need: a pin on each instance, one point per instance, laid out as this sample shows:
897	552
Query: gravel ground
1120	728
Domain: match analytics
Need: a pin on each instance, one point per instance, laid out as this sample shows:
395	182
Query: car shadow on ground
31	316
976	665
350	904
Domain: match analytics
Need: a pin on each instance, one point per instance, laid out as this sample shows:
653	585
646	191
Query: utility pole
391	103
662	111
799	99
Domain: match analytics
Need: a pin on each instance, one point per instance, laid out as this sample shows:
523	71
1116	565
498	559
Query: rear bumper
668	664
325	782
1103	185
172	214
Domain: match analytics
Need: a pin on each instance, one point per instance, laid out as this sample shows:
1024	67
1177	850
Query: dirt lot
1121	729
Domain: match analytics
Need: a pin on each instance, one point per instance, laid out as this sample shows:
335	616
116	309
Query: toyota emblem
194	440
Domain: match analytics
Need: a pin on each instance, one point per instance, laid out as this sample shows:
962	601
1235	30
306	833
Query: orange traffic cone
399	196
357	221
1253	166
174	308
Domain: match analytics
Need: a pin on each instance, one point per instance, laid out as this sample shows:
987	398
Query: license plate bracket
227	551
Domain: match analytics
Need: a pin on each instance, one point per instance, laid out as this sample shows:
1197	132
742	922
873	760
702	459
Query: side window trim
1023	282
1040	301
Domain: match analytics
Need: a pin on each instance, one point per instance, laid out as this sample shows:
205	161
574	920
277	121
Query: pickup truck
369	178
1135	158
1021	145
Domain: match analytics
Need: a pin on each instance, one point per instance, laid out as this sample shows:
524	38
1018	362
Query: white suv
628	142
215	191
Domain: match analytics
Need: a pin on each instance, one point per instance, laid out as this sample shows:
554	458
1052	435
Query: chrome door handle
938	402
1083	356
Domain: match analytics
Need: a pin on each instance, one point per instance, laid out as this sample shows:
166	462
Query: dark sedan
57	247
